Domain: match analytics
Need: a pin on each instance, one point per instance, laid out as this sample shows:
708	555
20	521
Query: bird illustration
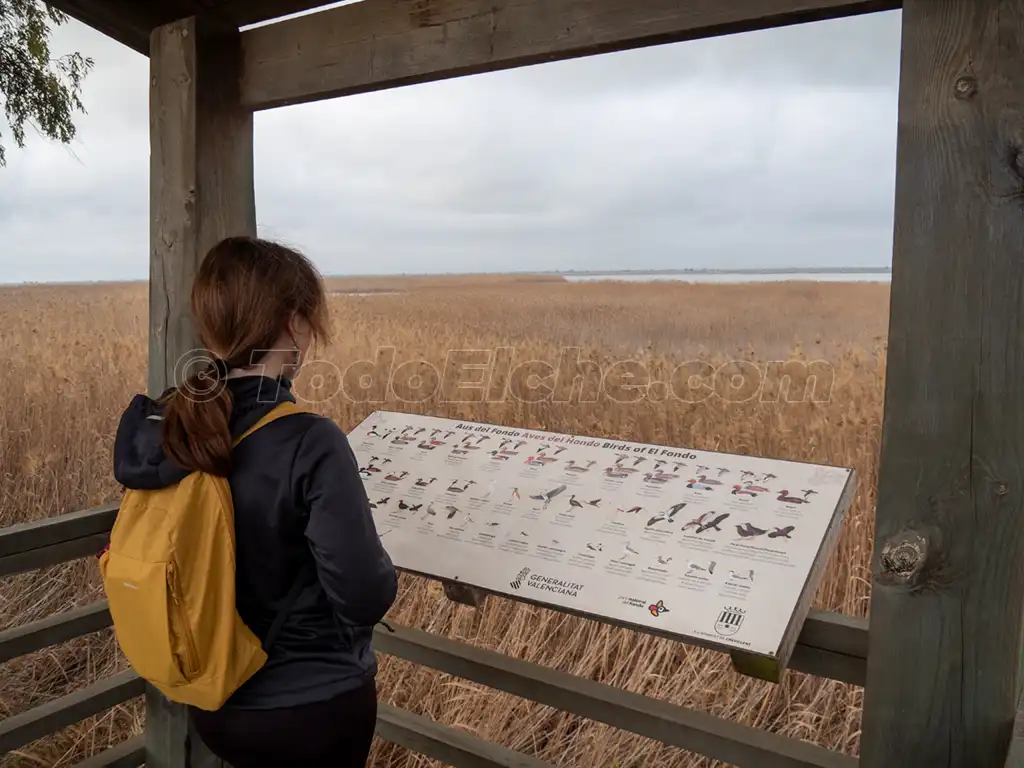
616	472
704	479
698	521
630	511
394	478
664	560
678	465
492	525
595	547
639	460
709	569
574	503
702	468
515	493
785	497
748	576
423	483
547	496
572	466
809	493
594	503
746	474
486	496
742	490
415	507
658	464
698	486
499	456
455	488
781	533
658	478
768	476
621	457
380	502
722	471
452	511
630	549
712	524
671	511
402	504
430	511
747	530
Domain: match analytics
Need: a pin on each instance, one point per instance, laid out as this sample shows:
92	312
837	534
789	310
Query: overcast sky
773	148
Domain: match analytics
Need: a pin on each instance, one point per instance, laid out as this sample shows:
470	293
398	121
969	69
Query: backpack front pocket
150	621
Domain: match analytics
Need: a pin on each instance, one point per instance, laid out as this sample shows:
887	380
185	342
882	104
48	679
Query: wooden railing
830	645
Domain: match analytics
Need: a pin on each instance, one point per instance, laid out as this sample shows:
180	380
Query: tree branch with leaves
36	89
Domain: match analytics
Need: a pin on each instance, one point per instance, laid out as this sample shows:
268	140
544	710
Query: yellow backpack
169	576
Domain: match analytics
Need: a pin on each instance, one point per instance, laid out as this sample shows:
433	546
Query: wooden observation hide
941	660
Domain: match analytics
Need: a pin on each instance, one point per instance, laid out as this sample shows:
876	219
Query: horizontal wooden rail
54	629
715	737
450	746
54	540
371	46
24	728
127	754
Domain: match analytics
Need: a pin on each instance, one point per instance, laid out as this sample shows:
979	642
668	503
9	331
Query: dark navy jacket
300	506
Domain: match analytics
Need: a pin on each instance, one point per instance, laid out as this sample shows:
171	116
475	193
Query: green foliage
34	88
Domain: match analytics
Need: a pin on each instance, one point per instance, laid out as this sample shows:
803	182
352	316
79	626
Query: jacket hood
139	460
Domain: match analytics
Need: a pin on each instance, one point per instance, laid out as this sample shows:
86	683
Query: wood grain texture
128	754
55	530
58	628
725	740
201	179
24	728
201	190
449	745
948	567
374	45
130	22
53	554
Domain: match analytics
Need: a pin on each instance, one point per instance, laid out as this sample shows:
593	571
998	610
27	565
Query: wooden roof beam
130	22
374	44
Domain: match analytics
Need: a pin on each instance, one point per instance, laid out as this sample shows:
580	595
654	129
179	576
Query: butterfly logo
658	608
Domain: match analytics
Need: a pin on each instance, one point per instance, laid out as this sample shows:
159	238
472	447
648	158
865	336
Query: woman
300	508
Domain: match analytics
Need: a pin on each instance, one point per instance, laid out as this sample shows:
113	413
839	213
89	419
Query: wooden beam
58	628
128	754
201	190
446	744
53	554
373	45
948	585
715	737
18	539
22	729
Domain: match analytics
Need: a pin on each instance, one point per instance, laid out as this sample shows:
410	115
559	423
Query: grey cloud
770	148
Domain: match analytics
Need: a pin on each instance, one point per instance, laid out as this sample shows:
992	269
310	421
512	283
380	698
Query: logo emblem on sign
658	608
518	581
729	621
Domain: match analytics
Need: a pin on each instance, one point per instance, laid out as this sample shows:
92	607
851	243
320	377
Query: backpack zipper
191	660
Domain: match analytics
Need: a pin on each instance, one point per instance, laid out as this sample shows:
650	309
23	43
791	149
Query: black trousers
331	734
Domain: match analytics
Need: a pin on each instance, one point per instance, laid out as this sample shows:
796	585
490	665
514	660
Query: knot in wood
903	558
965	87
1002	489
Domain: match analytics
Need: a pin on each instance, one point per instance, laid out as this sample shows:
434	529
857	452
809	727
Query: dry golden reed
76	354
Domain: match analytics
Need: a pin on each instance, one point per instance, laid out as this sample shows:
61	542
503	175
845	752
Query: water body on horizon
738	277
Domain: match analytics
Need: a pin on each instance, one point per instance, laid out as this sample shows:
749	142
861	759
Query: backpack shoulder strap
285	408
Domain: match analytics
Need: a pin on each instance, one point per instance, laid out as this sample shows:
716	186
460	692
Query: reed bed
76	354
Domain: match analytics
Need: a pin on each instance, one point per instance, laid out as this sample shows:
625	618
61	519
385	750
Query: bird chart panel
715	547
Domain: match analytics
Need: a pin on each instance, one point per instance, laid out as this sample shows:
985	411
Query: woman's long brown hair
243	298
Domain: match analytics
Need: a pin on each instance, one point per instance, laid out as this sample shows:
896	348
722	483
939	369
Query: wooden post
201	190
201	176
948	579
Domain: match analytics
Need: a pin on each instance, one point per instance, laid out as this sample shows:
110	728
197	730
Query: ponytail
196	431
